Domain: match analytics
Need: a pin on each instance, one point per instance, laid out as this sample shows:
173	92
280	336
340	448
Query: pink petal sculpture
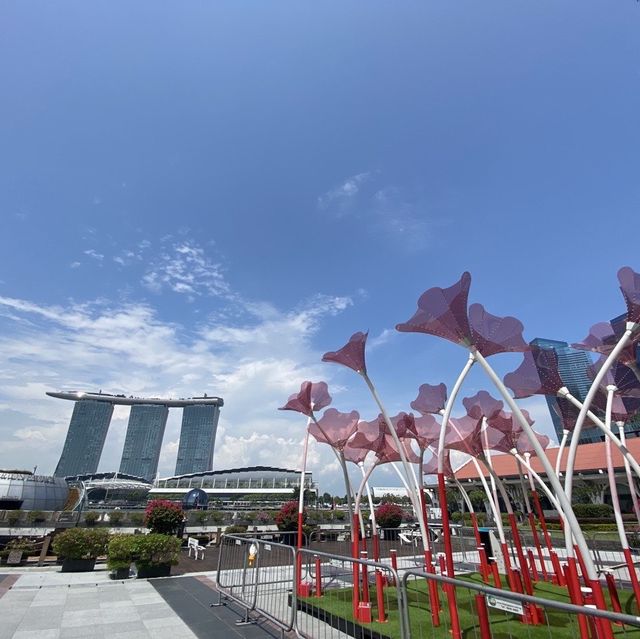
492	334
335	428
426	431
431	466
354	454
567	412
443	312
537	375
430	399
602	339
630	287
482	404
463	434
351	354
311	397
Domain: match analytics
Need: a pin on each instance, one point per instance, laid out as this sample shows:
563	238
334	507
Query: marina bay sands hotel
147	420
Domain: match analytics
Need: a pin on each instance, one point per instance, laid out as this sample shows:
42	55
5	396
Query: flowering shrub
163	516
287	517
389	516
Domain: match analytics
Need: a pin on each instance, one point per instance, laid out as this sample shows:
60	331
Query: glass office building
197	438
26	491
573	366
142	444
85	438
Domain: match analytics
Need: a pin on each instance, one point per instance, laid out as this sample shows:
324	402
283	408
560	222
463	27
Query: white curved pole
613	489
534	476
573	448
370	498
563	443
494	509
446	414
463	492
624	451
630	479
303	471
363	483
572	522
413	494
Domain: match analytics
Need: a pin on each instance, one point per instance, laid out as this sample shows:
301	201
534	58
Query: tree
163	516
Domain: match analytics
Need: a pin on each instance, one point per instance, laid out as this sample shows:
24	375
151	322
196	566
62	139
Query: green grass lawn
557	624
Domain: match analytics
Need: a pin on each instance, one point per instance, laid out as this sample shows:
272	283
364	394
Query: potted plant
163	516
155	554
389	517
13	517
90	518
120	555
80	547
115	517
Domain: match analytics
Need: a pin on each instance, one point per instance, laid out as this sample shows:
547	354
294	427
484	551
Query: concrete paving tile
111	629
172	633
82	632
8	629
37	634
116	605
156	611
136	634
37	619
119	614
74	618
153	624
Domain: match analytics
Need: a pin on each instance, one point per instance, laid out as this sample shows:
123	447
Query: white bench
194	544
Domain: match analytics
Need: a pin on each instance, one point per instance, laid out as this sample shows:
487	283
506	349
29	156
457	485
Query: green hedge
592	511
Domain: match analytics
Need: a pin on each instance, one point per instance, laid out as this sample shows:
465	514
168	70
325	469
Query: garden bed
335	609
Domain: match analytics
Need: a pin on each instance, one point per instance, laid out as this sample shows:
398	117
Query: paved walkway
48	604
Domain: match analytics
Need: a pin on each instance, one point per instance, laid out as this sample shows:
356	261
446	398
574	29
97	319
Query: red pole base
483	617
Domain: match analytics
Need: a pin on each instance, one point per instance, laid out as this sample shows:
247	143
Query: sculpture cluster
426	438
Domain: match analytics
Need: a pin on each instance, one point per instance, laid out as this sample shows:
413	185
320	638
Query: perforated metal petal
430	467
492	334
335	428
443	312
426	431
496	440
351	354
430	399
300	401
354	454
463	434
482	404
320	397
537	375
630	287
524	444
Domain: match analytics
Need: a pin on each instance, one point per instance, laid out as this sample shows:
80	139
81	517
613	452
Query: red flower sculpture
430	399
311	397
335	428
351	354
482	404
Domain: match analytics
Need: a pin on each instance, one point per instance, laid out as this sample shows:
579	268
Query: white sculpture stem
572	522
630	478
573	448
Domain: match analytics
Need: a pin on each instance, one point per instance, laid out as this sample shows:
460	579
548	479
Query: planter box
120	573
78	565
156	570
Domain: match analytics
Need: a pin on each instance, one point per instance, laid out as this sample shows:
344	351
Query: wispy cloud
339	199
186	269
391	212
92	253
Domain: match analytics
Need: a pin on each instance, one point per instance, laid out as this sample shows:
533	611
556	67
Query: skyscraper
197	438
85	438
90	423
573	366
142	444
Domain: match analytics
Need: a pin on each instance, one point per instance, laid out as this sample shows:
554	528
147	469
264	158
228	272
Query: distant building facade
197	439
85	438
143	441
148	417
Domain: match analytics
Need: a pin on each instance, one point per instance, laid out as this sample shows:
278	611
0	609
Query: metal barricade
488	613
258	575
327	608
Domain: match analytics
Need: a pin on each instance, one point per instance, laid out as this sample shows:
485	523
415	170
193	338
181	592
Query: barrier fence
322	595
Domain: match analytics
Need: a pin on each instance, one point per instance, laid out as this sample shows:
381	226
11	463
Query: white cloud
339	198
127	348
94	255
186	269
74	265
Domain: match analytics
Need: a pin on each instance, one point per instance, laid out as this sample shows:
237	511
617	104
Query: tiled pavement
52	605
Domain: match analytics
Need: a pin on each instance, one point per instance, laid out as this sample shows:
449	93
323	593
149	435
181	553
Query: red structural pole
355	571
632	571
451	593
484	564
497	582
382	617
318	577
483	617
613	592
573	586
532	563
365	578
393	554
536	541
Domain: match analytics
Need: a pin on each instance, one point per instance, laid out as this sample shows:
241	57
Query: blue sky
205	197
